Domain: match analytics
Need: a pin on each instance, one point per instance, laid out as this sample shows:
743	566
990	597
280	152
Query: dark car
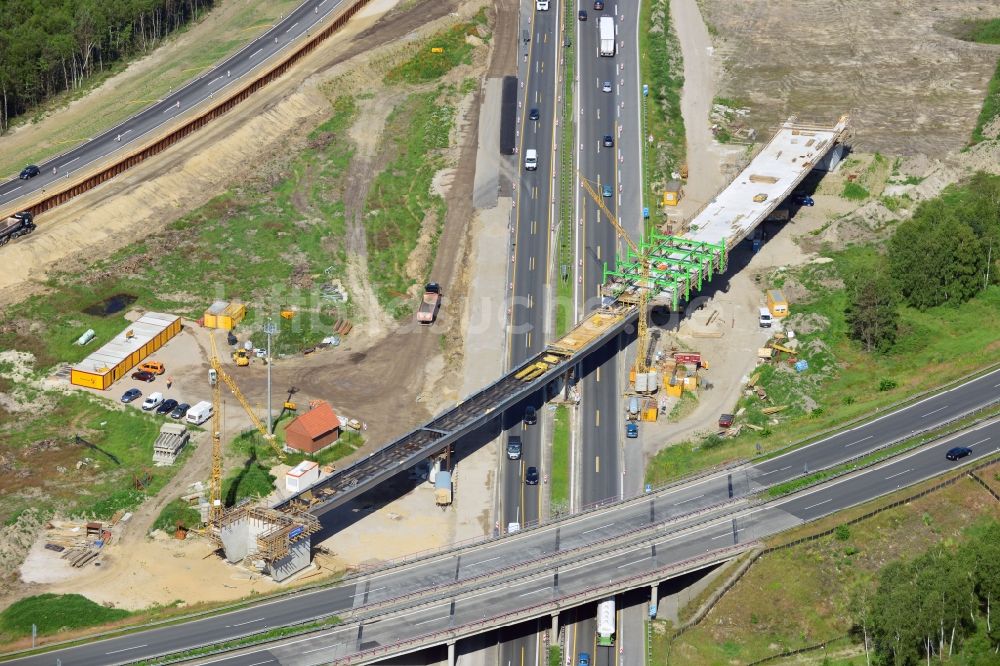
631	430
609	140
607	191
530	415
598	5
131	394
582	15
143	376
29	171
726	420
803	200
533	114
531	476
180	411
167	406
958	452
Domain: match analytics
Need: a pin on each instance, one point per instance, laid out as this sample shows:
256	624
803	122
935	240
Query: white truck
607	28
530	159
200	413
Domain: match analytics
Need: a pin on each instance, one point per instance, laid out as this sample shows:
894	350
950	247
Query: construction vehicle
442	488
215	504
241	357
428	310
15	226
642	338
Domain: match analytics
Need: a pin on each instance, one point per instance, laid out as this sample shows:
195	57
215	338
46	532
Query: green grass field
52	613
560	475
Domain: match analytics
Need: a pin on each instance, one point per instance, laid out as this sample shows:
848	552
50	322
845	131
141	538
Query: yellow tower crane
216	490
643	332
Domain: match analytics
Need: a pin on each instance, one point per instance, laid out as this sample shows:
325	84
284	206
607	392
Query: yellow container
225	315
675	390
776	303
673	193
649	414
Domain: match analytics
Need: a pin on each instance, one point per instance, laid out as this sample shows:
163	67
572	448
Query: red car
725	420
143	376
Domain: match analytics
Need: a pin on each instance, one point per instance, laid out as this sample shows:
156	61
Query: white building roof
144	329
302	468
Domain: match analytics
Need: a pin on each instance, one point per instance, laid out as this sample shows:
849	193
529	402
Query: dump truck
428	310
607	27
442	488
15	226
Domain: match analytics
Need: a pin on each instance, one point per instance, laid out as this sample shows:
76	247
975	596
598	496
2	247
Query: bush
175	514
843	533
855	192
886	384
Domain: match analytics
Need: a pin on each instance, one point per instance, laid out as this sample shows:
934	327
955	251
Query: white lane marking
597	528
258	663
290	27
628	564
722	536
325	647
544	589
910	469
20	186
690	499
979	442
766	473
813	506
782	469
361	594
134	647
476	564
260	619
256	52
433	619
864	439
214	80
70	162
934	412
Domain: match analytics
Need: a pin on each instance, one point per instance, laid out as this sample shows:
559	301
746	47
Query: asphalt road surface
291	31
734	523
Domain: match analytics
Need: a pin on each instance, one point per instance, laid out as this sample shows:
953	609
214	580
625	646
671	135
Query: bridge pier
451	653
555	629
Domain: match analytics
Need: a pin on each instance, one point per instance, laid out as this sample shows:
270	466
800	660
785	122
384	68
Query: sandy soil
892	65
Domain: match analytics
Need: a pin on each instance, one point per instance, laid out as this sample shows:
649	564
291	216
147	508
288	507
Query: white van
530	159
765	318
542	5
152	401
200	413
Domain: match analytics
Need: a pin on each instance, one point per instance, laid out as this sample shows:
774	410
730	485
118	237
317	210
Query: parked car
606	86
958	452
130	395
531	476
180	411
533	114
609	141
582	15
143	376
152	367
583	659
530	415
514	447
631	430
607	191
726	420
152	401
30	171
166	406
803	200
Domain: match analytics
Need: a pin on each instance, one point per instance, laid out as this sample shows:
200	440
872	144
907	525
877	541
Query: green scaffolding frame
675	263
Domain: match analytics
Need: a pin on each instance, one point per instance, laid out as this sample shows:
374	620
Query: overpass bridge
677	267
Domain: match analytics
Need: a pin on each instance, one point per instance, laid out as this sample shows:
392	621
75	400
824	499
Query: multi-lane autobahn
484	581
217	80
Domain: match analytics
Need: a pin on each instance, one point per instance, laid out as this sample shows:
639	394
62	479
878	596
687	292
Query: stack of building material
169	443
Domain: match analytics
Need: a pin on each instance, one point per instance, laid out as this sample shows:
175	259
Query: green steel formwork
675	263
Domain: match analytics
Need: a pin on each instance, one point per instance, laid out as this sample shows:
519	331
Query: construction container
674	390
126	350
301	476
672	193
690	382
225	315
776	303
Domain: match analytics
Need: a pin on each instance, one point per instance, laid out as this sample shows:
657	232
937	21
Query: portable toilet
672	193
776	303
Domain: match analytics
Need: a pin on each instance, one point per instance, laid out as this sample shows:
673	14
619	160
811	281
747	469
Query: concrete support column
555	628
451	653
654	601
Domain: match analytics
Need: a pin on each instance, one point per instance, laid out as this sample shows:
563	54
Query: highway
217	80
639	529
533	218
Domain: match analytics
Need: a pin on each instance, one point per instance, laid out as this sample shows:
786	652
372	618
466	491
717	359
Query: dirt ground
908	85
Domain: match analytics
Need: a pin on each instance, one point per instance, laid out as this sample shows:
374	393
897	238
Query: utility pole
270	329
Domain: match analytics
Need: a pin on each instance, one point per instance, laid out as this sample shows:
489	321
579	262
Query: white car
542	5
606	87
152	401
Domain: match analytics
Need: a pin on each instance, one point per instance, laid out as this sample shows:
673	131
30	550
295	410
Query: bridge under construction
667	268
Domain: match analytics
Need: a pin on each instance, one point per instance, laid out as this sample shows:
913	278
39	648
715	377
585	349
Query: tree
872	313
